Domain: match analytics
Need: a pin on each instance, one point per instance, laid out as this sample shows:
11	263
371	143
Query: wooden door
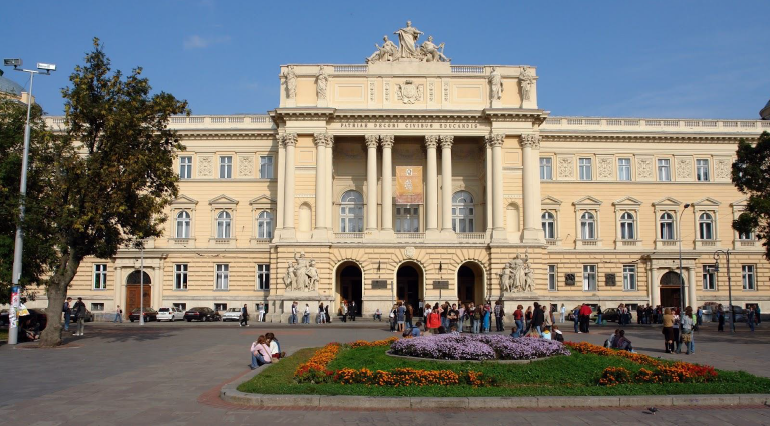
132	297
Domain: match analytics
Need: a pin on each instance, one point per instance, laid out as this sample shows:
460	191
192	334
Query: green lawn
564	375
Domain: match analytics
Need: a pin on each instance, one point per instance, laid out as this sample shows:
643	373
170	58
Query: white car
170	314
232	314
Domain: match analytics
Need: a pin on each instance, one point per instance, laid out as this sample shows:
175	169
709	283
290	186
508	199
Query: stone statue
517	276
496	84
429	52
526	80
407	38
290	279
312	274
388	52
301	275
291	82
321	82
529	280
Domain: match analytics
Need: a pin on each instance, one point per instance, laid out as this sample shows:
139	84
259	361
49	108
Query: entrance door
670	290
408	286
351	287
132	291
466	282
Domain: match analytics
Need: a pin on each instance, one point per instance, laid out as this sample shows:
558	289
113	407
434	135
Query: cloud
198	42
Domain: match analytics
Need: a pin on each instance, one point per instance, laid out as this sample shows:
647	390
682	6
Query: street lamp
681	277
18	248
717	255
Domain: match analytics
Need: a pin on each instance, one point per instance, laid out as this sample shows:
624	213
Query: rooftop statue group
302	275
408	48
517	276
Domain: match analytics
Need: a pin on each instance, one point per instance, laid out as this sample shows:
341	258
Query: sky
657	59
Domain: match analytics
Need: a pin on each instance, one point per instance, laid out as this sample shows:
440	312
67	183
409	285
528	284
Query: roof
10	86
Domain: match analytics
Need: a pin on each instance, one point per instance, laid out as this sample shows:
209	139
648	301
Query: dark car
89	316
202	314
149	315
610	315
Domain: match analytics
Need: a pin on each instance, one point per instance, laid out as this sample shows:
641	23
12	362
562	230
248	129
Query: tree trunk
57	292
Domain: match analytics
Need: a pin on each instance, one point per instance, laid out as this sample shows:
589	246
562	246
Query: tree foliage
751	175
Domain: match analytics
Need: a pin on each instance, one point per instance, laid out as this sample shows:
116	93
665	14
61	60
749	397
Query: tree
751	175
113	187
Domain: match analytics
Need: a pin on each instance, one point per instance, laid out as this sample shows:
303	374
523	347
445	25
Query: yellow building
409	178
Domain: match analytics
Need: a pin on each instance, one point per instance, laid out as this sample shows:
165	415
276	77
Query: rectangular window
266	167
180	306
180	276
408	219
222	281
551	277
709	277
624	169
185	167
629	277
702	170
226	167
263	277
97	307
745	235
747	272
220	307
584	169
546	169
100	276
589	277
664	170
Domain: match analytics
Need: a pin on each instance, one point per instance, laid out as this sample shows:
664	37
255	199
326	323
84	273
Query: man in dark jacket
67	313
538	318
80	316
244	316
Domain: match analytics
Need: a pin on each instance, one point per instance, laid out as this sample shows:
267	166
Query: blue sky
699	59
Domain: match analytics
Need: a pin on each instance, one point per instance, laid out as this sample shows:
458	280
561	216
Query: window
263	277
587	226
589	277
584	169
627	226
97	307
226	167
549	225
183	225
100	276
702	170
709	277
352	212
551	277
180	276
224	222
223	277
706	227
747	273
407	219
745	235
180	306
629	277
220	306
185	167
462	211
265	225
666	226
624	169
546	169
266	167
664	169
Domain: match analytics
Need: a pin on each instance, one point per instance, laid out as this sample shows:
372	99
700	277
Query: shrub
477	347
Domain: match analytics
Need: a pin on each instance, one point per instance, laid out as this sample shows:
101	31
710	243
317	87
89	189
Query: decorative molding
722	169
205	165
496	139
246	166
684	168
431	141
604	166
290	139
446	141
644	168
431	91
566	167
387	141
371	140
409	93
530	140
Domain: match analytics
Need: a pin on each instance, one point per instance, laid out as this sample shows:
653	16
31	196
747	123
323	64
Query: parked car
4	317
170	314
202	313
232	314
89	316
610	315
149	315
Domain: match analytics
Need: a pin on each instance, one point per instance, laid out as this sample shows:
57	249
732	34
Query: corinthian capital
530	140
496	139
371	141
446	141
386	141
320	138
329	140
289	139
431	141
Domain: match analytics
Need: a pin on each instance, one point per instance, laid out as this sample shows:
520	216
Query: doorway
350	287
671	290
408	286
133	286
470	283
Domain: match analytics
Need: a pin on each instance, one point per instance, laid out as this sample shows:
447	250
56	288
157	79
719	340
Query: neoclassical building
410	178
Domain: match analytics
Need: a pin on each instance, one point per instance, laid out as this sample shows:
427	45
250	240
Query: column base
532	235
387	235
448	234
288	234
432	234
499	235
320	234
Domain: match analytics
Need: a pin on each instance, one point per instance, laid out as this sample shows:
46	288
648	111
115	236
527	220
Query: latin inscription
375	125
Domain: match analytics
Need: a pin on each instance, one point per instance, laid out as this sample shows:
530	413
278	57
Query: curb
231	394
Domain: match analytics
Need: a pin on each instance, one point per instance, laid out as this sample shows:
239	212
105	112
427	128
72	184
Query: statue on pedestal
408	48
291	82
526	80
496	84
322	80
388	52
301	275
517	276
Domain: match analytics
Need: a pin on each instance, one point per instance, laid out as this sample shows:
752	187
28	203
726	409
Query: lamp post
141	286
717	255
681	277
18	248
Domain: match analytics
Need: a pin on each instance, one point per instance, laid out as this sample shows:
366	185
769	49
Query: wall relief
301	275
517	276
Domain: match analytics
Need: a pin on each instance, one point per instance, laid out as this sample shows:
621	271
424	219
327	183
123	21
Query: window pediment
588	201
262	201
550	201
627	202
706	202
223	201
667	202
184	201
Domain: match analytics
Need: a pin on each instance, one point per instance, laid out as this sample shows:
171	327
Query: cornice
538	116
349	114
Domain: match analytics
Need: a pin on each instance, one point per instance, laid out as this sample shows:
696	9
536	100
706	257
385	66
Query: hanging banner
409	185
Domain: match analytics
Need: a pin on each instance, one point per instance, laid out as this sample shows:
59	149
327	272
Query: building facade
409	178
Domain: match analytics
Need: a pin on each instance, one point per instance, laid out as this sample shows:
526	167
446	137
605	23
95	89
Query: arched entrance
671	289
409	288
133	286
470	283
349	286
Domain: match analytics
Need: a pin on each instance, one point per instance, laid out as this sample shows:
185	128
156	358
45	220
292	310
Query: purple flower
477	347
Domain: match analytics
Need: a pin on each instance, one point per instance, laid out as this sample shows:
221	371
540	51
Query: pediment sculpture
301	275
517	276
408	48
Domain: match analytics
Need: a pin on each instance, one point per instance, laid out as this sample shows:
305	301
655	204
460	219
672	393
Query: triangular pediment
740	203
588	200
627	201
223	199
708	201
548	200
183	199
668	201
262	199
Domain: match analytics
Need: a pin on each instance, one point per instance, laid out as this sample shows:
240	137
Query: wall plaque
440	285
379	284
609	280
569	279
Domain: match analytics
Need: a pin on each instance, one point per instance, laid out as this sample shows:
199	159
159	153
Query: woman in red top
517	317
434	319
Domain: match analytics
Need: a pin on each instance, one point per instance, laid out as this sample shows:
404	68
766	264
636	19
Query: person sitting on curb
557	335
546	333
622	343
260	353
275	346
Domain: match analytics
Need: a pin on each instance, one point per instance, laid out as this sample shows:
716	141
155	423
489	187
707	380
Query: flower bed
314	370
477	347
409	377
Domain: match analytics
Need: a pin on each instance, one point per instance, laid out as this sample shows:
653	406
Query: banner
409	185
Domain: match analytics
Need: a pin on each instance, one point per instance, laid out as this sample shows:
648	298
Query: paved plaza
172	373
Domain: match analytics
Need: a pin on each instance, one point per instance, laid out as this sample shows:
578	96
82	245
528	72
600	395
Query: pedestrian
639	314
547	318
576	318
759	316
306	315
400	316
352	310
260	353
518	316
668	330
244	316
700	316
478	316
409	314
320	317
327	317
677	332
563	313
261	312
293	318
434	319
598	315
538	319
344	311
80	316
486	314
118	315
453	317
528	318
585	318
687	329
751	317
67	313
720	318
462	316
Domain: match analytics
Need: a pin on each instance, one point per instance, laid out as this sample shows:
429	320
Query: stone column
321	199
488	178
498	229
329	186
446	184
692	291
371	183
387	183
654	288
431	184
288	233
281	184
530	144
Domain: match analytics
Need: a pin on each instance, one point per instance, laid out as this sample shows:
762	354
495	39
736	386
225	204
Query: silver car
232	314
170	314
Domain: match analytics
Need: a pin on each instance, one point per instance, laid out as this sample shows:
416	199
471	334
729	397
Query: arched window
587	226
224	224
183	225
706	226
627	231
265	225
667	226
549	225
462	211
352	212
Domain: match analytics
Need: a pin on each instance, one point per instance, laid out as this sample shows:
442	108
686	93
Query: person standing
409	316
67	313
538	318
585	317
293	319
598	315
547	318
751	317
261	312
517	318
80	316
352	310
563	313
400	317
686	330
118	314
244	316
344	311
306	315
326	313
700	316
498	318
668	330
576	318
721	318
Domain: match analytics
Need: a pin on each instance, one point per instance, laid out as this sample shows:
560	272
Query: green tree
751	175
112	188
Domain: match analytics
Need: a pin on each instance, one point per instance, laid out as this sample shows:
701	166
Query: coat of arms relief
409	92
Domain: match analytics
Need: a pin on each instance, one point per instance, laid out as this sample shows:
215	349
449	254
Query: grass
574	375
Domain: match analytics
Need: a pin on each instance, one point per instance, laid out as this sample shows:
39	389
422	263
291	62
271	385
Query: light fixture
46	67
12	62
